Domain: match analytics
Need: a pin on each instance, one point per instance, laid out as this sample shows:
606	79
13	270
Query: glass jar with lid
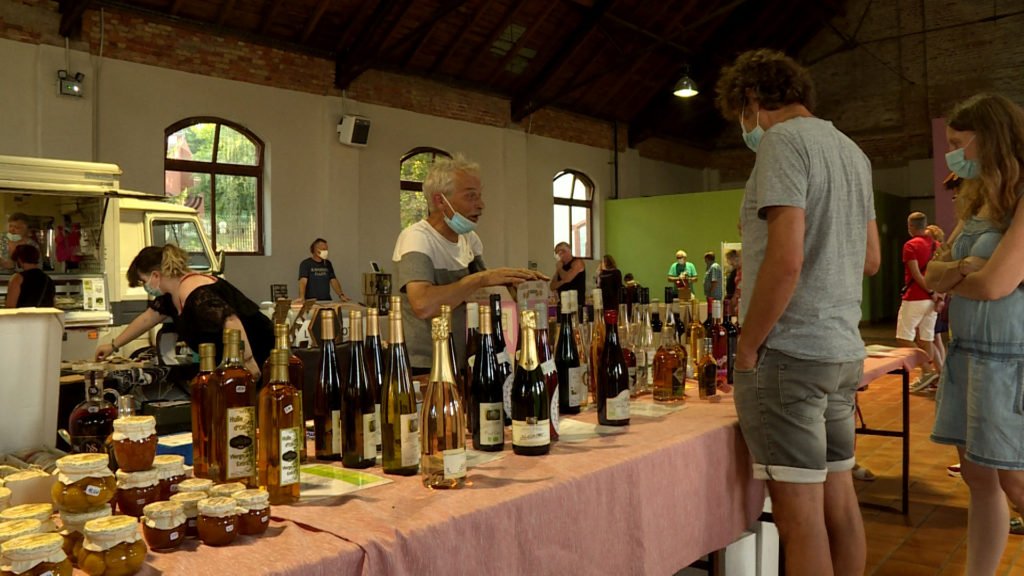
135	490
112	546
84	482
254	513
190	506
163	525
35	555
170	471
218	521
227	489
12	529
74	529
5	497
196	485
41	512
135	442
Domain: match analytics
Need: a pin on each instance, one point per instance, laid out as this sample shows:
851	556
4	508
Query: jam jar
254	516
196	485
135	490
84	482
41	512
190	506
74	529
135	442
112	547
5	497
226	490
163	525
218	521
35	555
170	471
12	529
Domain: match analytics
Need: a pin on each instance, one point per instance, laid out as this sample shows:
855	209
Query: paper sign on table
652	410
324	480
476	458
571	431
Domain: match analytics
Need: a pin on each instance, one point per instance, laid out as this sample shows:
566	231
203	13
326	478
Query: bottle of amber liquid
373	353
696	337
327	405
232	417
400	428
707	372
281	433
296	373
442	420
200	432
358	412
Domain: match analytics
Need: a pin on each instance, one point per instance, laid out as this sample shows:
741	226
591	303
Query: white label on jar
241	433
288	409
173	536
492	425
335	431
454	463
93	409
503	357
548	367
554	410
175	488
92	490
191	522
377	436
369	436
531	432
618	407
576	385
410	424
289	452
264	519
506	394
240	389
141	501
229	528
47	573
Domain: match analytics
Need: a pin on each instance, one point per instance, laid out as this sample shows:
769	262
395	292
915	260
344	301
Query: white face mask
322	254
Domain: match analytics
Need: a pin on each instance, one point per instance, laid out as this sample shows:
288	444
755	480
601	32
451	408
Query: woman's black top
37	289
610	283
730	283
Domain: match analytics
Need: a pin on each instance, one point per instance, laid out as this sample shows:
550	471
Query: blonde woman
200	305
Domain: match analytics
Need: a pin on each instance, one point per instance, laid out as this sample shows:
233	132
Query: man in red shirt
915	326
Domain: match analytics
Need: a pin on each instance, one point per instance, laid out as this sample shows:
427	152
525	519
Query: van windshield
185	234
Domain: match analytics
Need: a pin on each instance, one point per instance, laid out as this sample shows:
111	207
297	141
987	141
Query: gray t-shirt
422	254
807	163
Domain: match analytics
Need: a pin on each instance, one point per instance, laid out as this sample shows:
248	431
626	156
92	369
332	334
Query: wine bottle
281	432
646	345
671	332
732	337
570	375
504	358
696	336
472	349
581	350
233	417
442	422
707	372
626	342
487	395
681	326
531	409
547	366
667	363
585	333
296	373
206	379
374	355
327	405
358	412
613	384
708	322
596	352
400	429
719	340
446	312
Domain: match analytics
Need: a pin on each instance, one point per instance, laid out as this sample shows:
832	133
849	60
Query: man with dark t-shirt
316	275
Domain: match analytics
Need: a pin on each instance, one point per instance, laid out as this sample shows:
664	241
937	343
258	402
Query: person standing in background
609	278
682	274
732	280
30	288
712	277
17	235
569	272
915	324
316	275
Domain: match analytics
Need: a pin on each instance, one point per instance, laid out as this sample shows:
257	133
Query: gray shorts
797	416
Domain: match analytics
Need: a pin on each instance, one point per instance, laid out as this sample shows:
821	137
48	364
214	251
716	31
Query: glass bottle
667	364
232	417
696	337
719	340
487	407
327	405
296	373
472	349
707	372
732	336
373	353
646	345
613	384
358	412
626	342
596	344
400	429
547	366
281	432
92	421
681	327
581	350
531	408
504	358
446	311
200	435
442	441
670	337
571	378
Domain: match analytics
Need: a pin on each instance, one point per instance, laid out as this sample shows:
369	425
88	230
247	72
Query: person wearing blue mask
18	234
201	307
809	237
439	260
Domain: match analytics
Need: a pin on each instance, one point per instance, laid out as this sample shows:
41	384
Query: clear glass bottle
531	406
400	428
92	421
373	353
696	337
232	417
327	405
596	351
204	381
358	410
667	365
442	441
281	432
645	343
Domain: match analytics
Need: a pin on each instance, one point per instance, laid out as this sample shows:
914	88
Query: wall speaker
354	130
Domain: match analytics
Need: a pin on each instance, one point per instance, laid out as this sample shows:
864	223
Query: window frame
413	185
214	169
571	202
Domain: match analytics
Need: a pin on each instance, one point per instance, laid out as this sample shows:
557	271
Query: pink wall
944	214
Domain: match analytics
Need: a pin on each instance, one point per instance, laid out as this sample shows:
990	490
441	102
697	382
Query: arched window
574	202
414	166
216	167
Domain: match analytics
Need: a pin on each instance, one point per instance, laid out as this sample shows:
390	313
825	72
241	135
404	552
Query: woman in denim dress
980	403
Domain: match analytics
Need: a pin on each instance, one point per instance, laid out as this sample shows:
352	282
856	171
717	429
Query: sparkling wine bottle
358	411
547	366
400	429
327	407
442	422
531	408
504	357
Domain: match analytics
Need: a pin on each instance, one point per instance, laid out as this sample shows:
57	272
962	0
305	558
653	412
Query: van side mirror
220	262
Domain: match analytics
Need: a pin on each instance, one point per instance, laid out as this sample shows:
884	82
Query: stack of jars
84	490
138	482
28	544
112	547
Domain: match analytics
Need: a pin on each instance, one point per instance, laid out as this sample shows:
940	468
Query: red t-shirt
920	248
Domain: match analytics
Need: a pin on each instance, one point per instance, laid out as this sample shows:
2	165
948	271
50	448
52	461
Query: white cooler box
30	343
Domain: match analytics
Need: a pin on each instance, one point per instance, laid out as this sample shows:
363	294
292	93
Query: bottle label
241	430
289	446
369	436
531	432
650	353
240	389
377	437
554	410
492	425
503	357
410	424
618	406
454	463
506	394
288	409
548	367
335	431
471	361
577	385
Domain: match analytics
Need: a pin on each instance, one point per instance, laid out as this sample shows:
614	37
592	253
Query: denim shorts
980	406
797	416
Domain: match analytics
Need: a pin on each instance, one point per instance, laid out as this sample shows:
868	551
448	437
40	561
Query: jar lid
226	489
105	533
140	479
75	522
14	528
220	507
196	485
83	464
189	501
5	493
26	475
164	515
25	552
252	499
169	465
41	512
135	428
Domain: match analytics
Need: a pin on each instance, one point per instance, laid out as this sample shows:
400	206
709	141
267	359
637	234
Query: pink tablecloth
651	500
898	358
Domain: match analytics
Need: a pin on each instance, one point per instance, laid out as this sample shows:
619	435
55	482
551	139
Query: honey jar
5	497
196	485
135	442
35	555
15	529
74	529
135	490
112	547
41	512
170	471
254	513
84	482
226	490
218	521
190	507
163	525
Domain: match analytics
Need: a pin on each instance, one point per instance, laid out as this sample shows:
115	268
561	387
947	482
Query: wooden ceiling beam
424	31
318	13
366	9
71	16
521	41
484	48
369	43
176	7
269	15
474	21
225	11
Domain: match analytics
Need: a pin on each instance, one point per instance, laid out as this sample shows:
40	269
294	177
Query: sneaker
862	473
924	381
1017	525
953	470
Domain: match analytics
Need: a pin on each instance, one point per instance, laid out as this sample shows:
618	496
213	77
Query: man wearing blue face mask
439	259
809	236
17	235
